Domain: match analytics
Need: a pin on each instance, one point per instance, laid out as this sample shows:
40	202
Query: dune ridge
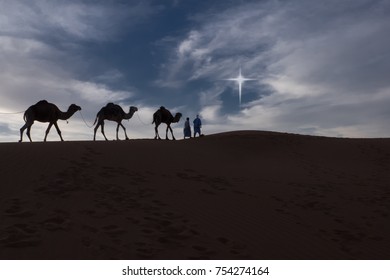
233	195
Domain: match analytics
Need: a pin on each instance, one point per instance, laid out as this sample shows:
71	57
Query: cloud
45	53
324	66
76	20
321	68
96	93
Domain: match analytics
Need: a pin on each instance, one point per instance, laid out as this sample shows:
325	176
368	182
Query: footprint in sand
19	236
113	230
89	229
18	208
56	223
216	183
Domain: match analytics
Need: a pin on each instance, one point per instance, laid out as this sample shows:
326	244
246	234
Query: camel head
133	109
74	108
177	117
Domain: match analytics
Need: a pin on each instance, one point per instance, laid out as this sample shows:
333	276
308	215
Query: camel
162	115
44	111
112	112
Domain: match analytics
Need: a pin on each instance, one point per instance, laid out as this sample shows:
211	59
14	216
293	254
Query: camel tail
24	116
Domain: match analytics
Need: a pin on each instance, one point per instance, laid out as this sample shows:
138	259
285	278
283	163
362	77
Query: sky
318	67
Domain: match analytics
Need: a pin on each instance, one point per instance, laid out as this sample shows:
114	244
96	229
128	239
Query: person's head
197	116
188	119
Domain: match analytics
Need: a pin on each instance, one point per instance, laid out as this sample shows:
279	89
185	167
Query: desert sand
235	195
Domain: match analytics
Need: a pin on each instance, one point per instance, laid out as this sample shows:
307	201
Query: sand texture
236	195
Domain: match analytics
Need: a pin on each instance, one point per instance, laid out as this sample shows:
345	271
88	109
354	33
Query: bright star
240	79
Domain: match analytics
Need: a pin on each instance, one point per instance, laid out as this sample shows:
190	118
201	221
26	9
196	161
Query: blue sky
321	67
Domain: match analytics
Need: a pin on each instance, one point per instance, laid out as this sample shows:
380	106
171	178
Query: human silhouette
197	126
187	128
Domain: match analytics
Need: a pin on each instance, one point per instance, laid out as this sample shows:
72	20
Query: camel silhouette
112	112
162	115
44	111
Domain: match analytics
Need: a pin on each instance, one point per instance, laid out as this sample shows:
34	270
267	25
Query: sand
236	195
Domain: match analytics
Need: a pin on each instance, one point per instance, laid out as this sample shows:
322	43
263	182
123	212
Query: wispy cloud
78	20
311	56
321	66
45	54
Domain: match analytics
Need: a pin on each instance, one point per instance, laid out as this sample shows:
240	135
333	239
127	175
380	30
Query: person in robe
187	128
197	126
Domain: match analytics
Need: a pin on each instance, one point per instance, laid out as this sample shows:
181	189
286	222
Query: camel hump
41	102
112	109
164	111
112	106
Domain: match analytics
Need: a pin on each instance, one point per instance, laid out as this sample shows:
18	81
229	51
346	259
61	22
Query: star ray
240	79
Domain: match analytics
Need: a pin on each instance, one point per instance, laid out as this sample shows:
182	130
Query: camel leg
166	132
21	131
173	137
117	131
28	126
58	130
47	131
124	129
156	130
28	132
102	124
94	131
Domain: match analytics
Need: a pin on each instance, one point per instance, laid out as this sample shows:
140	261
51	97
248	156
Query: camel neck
65	115
129	115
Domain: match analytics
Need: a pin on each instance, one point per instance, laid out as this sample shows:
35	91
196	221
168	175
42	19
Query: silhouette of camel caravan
162	115
44	111
113	112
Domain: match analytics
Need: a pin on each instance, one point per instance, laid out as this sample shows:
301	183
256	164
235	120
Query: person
197	126
187	128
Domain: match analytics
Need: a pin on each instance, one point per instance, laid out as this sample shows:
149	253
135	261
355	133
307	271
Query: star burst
240	79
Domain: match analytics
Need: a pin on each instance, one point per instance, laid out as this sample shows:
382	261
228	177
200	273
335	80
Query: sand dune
236	195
